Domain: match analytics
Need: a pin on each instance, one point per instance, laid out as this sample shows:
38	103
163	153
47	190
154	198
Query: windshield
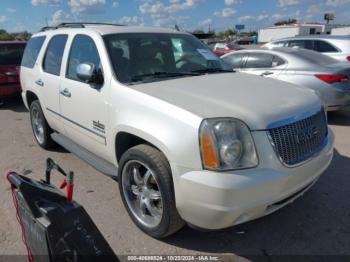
148	57
11	54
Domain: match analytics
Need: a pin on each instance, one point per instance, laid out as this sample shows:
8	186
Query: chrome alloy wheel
38	125
142	194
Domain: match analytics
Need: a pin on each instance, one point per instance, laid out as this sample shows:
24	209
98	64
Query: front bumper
214	200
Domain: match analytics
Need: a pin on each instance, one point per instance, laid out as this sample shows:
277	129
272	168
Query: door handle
39	82
266	73
65	92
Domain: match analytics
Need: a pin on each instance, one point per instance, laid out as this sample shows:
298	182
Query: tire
41	129
149	159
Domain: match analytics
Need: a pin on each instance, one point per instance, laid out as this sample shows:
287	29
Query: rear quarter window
32	50
277	61
324	47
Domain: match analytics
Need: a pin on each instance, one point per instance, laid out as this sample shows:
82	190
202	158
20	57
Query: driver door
83	105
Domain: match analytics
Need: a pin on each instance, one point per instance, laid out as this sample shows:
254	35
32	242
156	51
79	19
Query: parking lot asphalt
316	224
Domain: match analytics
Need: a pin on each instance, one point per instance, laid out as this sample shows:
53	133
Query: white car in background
337	47
189	141
329	78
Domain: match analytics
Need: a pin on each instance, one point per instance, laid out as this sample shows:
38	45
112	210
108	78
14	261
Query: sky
31	15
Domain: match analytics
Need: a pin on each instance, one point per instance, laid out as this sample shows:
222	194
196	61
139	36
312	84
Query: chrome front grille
296	142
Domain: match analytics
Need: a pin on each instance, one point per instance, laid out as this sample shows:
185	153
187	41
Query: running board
96	162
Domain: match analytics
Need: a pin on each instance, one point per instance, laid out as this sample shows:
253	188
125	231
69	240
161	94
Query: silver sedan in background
327	76
335	46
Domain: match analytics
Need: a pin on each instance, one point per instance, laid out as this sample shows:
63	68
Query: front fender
172	130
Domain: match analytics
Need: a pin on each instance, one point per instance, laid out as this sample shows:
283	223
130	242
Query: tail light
348	58
331	79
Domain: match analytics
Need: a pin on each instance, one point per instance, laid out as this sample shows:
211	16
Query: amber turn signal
209	151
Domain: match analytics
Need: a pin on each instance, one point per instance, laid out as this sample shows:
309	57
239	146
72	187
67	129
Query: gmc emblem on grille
306	134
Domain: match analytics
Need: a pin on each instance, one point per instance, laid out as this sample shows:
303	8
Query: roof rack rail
75	25
46	28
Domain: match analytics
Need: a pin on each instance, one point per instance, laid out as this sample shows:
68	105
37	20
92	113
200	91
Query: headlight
226	144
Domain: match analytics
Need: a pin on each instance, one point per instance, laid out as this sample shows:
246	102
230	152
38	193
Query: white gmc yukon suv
189	141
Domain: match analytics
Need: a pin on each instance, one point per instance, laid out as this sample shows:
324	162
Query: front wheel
41	129
146	188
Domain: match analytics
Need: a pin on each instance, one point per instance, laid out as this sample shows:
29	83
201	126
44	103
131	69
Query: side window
324	47
83	50
277	61
279	44
259	60
53	56
235	61
306	44
32	50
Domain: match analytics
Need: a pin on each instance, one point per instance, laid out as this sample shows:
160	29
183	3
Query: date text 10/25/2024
174	258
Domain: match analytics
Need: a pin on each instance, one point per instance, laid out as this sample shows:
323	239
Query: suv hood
255	100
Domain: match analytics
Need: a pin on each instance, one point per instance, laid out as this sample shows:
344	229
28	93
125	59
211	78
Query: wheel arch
127	139
31	97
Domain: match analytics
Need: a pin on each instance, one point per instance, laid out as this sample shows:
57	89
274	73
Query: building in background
281	31
341	31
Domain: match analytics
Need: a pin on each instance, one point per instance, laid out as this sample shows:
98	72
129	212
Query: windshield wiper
163	75
213	70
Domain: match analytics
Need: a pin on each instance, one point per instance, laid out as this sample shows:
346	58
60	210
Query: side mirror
86	72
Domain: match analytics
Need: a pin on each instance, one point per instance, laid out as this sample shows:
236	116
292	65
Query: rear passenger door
84	106
264	64
50	80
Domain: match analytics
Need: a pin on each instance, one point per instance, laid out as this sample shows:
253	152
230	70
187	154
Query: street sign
329	17
239	27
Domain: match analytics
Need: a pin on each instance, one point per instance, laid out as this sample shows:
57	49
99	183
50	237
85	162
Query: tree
22	35
226	34
4	36
253	33
286	22
229	32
